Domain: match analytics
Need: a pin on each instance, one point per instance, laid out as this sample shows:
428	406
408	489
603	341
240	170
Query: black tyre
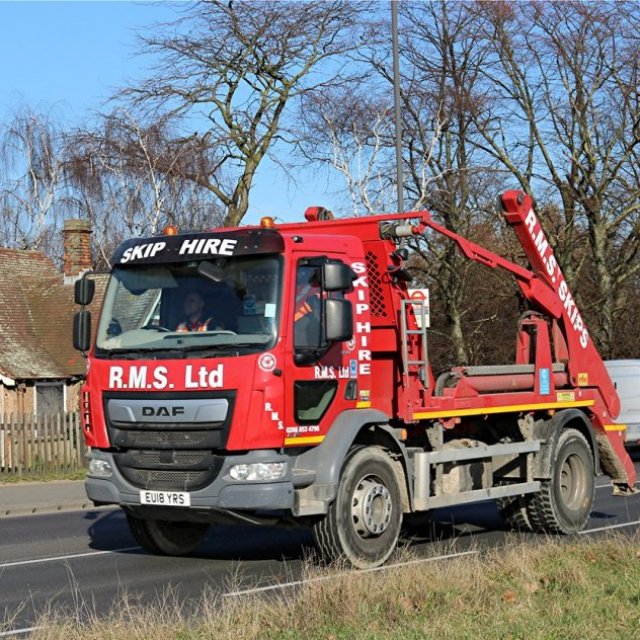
165	537
363	523
564	503
515	512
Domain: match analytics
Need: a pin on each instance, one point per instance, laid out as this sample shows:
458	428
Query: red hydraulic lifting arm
545	287
586	367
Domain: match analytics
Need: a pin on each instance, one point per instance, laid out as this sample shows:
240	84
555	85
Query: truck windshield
215	307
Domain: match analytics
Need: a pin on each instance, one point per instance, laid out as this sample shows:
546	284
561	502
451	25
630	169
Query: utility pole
396	100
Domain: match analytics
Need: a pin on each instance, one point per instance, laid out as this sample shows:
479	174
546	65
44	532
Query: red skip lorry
280	373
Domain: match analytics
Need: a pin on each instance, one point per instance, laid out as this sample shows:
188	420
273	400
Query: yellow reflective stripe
429	415
363	404
615	427
305	440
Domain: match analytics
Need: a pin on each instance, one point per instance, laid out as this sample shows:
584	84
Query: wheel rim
371	507
572	481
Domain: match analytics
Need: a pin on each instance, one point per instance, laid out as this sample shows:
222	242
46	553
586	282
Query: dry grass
576	590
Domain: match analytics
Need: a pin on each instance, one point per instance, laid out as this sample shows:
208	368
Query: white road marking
613	526
296	583
16	632
608	485
21	563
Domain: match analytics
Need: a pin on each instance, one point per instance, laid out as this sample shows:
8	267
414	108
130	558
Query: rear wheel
564	502
363	522
166	537
514	512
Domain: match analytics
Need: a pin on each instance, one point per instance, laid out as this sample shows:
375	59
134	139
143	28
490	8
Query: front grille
168	470
165	439
145	458
169	480
171	456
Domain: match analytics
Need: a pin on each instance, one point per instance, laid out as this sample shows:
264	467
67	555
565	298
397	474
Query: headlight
99	468
258	471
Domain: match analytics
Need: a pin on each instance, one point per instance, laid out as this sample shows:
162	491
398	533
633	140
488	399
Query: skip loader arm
545	287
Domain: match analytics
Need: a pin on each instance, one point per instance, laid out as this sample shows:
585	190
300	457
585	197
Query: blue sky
68	57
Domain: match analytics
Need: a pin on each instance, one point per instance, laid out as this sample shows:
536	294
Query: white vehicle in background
626	378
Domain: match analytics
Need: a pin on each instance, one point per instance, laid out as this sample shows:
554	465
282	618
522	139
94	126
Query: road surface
90	558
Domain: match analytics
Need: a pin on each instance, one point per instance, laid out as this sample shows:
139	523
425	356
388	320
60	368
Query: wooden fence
33	444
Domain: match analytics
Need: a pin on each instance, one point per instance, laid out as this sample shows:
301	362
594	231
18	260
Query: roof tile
36	318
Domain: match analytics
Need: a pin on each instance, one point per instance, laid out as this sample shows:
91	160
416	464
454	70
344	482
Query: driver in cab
194	312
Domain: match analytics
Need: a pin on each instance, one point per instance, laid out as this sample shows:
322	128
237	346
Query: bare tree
126	178
440	62
566	114
31	173
230	69
350	131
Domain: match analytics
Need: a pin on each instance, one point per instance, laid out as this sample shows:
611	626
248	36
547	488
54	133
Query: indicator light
267	222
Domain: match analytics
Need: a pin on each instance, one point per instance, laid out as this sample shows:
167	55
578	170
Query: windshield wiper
222	345
226	348
131	353
156	353
203	350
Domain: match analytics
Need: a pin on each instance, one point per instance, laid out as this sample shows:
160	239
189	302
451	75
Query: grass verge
585	589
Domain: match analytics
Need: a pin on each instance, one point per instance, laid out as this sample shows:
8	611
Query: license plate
166	498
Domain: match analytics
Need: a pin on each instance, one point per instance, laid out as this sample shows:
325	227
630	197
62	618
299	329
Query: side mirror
337	276
83	291
338	316
82	330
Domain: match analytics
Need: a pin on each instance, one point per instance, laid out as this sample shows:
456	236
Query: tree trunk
604	286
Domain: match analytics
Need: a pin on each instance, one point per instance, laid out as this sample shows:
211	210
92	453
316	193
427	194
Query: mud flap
623	490
612	463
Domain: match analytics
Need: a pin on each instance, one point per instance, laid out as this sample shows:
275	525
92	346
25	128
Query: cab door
319	380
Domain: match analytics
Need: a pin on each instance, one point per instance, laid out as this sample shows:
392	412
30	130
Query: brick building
40	371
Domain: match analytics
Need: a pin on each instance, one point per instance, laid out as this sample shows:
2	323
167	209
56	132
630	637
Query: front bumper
223	494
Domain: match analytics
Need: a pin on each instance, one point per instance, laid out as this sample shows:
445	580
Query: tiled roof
36	319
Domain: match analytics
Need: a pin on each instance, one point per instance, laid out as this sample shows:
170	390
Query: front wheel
167	537
363	523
